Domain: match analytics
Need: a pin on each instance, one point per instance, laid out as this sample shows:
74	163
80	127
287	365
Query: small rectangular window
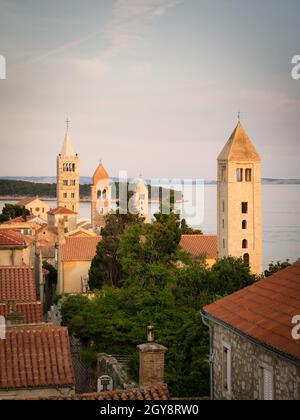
223	206
65	195
248	175
244	208
72	195
267	384
72	182
223	224
239	175
227	368
65	182
223	173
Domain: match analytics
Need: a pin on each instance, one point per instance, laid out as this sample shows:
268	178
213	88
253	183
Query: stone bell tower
101	198
68	176
239	200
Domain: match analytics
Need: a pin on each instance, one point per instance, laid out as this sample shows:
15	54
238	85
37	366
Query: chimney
13	317
152	361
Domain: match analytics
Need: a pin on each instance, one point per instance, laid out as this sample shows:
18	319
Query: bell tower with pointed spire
68	175
239	200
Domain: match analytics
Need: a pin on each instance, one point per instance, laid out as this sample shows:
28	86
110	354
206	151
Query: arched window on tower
99	194
244	224
73	167
245	244
246	258
70	167
104	194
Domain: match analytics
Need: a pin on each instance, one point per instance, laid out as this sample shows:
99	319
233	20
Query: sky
152	87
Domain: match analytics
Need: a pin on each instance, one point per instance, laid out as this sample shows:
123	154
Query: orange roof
35	356
61	210
264	311
9	238
100	174
155	392
17	283
79	248
31	311
198	245
25	201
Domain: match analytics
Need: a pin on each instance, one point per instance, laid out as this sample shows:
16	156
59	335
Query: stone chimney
152	361
13	317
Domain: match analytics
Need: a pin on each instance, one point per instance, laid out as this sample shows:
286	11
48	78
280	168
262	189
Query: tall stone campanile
239	201
68	176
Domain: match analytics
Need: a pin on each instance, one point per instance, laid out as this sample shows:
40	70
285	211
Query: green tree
11	211
187	230
275	267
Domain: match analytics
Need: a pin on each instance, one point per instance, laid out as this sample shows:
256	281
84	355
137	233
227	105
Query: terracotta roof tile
198	245
79	248
32	311
10	238
35	356
155	392
61	210
265	310
26	201
17	283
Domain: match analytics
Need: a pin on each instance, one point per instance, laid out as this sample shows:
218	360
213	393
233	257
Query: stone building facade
253	354
251	366
239	201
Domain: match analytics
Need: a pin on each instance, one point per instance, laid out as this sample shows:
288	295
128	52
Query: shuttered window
268	390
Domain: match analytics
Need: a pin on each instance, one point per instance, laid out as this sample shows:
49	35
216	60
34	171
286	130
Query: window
65	182
223	206
98	195
267	385
244	208
65	195
248	175
37	209
73	208
239	175
224	243
227	367
73	182
245	244
72	195
73	167
244	224
223	173
223	224
43	210
142	197
65	218
246	258
104	194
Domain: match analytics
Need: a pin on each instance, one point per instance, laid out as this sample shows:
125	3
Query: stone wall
247	363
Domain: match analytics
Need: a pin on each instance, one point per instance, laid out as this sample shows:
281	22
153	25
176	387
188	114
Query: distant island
13	188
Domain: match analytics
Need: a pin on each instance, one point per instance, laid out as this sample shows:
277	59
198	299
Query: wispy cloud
128	22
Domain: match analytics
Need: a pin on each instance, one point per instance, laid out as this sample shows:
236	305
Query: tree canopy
152	287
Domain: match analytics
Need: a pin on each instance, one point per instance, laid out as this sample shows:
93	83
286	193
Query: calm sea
281	219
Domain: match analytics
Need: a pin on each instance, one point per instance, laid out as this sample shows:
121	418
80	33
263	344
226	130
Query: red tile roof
155	392
35	356
264	311
9	238
79	248
198	245
32	312
18	284
26	201
61	210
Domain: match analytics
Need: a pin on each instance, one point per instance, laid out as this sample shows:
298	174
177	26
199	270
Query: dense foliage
159	284
275	267
10	211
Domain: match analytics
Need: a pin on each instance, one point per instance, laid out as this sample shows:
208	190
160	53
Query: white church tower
239	201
